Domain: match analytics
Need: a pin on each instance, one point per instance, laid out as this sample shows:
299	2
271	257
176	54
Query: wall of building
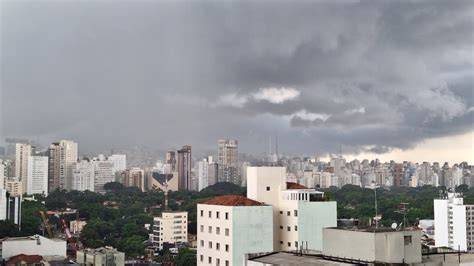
46	247
441	222
313	217
459	228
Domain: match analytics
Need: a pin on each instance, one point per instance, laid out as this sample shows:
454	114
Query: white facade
104	173
203	170
83	176
299	213
120	162
171	227
33	245
454	223
67	161
101	256
37	181
23	152
228	160
227	233
3	204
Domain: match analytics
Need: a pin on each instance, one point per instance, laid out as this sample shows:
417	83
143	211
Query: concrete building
67	159
299	213
171	228
83	176
163	182
54	154
134	177
453	223
170	159
14	187
203	177
105	256
37	180
184	168
22	153
119	161
370	245
228	161
104	173
33	245
231	226
76	226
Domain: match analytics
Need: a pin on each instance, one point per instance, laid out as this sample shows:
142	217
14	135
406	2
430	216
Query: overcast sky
373	76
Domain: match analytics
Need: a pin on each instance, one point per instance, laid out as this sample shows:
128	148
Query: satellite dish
394	226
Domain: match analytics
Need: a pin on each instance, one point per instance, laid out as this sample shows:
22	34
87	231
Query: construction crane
71	241
46	224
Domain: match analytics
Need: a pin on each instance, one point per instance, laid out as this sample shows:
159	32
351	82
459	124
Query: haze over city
387	79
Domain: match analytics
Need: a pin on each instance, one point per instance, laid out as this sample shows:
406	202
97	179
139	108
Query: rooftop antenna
340	151
276	146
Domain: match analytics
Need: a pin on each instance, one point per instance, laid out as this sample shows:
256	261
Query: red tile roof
28	259
233	200
291	185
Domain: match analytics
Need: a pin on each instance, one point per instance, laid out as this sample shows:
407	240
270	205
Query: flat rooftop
284	258
465	257
373	229
233	200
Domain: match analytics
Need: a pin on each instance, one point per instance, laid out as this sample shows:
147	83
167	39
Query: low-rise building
231	226
373	245
33	245
105	256
171	228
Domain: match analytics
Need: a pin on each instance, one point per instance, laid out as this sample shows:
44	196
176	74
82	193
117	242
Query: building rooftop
30	238
292	185
285	258
371	229
233	200
28	259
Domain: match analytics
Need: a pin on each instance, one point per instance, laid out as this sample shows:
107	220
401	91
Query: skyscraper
184	168
53	166
67	161
22	152
170	159
228	160
37	181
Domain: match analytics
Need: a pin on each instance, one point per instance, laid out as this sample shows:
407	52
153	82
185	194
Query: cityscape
253	133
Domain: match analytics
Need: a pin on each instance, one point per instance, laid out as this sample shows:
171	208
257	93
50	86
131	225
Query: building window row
218	230
209	260
218	245
217	214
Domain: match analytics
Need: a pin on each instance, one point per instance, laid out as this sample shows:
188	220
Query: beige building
171	227
228	161
23	152
67	161
163	182
14	187
383	245
106	256
231	226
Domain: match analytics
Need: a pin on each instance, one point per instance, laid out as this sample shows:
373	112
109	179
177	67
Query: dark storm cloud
372	76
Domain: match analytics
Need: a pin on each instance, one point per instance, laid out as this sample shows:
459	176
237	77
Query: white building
67	161
120	162
37	180
104	173
203	170
100	256
23	152
228	161
83	176
453	223
231	226
171	228
33	245
299	213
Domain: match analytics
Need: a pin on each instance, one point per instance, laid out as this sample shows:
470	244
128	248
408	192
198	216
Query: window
407	240
210	214
218	246
227	231
202	213
296	228
226	263
288	228
296	213
281	242
288	213
296	244
202	243
218	261
268	188
289	244
226	248
218	230
202	228
281	227
209	259
210	244
217	215
227	216
201	257
281	212
210	229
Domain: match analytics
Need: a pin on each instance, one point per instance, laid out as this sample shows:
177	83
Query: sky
388	79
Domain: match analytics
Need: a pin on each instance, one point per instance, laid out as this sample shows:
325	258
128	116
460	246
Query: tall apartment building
170	228
54	154
83	176
22	153
454	223
119	161
203	171
184	168
397	175
37	180
67	161
14	187
299	213
134	177
104	173
231	226
228	161
170	159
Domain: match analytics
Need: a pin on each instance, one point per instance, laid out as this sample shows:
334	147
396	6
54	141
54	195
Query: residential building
106	256
231	226
453	223
184	168
170	159
299	213
54	154
67	160
23	152
134	177
203	171
14	187
33	245
119	161
228	161
83	176
170	228
37	180
370	245
103	174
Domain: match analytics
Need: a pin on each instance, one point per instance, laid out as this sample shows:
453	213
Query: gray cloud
382	75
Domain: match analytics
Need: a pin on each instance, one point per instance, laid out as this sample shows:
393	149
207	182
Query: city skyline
318	75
